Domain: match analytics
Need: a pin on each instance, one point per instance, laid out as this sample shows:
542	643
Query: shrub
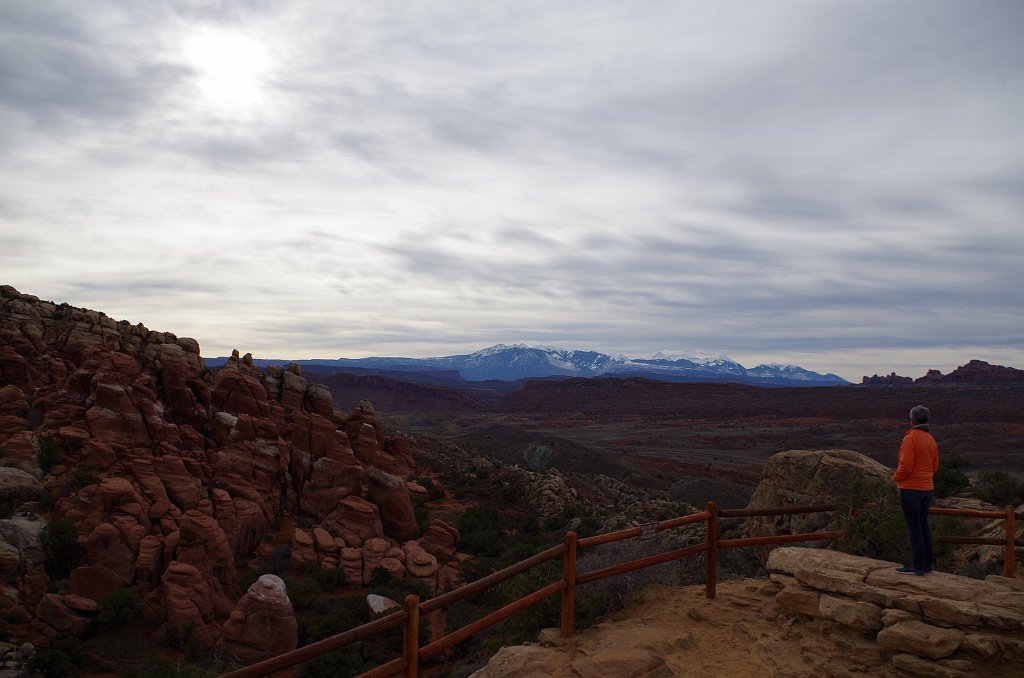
59	659
999	488
524	626
120	607
83	476
53	664
60	547
950	478
344	662
48	455
872	522
480	531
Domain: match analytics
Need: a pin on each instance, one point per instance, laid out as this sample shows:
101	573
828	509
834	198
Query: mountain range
519	361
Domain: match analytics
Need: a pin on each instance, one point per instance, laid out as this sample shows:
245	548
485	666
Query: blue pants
915	505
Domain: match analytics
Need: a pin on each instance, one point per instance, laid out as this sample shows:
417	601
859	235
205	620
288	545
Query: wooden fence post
1010	530
569	594
411	636
711	575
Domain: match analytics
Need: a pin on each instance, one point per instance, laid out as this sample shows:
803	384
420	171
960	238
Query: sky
837	184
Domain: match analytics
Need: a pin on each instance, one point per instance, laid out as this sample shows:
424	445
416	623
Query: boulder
920	639
17	487
801	477
355	520
187	603
263	623
398	516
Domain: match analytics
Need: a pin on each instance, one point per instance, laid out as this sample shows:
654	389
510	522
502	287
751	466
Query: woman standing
919	459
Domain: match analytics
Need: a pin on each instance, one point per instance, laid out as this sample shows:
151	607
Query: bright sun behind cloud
231	71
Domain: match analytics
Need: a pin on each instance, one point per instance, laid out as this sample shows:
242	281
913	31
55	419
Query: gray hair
919	415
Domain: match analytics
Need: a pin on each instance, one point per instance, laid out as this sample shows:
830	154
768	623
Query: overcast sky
837	184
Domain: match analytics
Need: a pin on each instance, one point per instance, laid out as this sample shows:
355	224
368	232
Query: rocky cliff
173	476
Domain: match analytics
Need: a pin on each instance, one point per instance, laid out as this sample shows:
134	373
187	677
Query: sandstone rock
981	645
807	477
355	520
857	615
380	604
17	487
54	611
352	564
263	623
422	567
916	666
633	663
801	601
194	467
373	551
187	602
238	393
398	517
330	479
106	547
920	639
95	582
521	661
202	544
440	540
303	548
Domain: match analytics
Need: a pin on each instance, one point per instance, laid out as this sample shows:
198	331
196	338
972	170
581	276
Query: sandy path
675	631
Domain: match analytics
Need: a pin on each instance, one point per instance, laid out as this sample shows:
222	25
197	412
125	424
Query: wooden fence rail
407	665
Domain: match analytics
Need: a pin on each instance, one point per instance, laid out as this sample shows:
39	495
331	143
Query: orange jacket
919	459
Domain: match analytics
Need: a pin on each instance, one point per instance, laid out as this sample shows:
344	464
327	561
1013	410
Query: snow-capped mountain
519	361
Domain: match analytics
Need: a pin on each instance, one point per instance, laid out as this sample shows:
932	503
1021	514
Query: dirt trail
675	631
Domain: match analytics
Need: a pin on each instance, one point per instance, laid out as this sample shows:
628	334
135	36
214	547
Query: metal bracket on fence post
711	574
411	636
1010	530
569	594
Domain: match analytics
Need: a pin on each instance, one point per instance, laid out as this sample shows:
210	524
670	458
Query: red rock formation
193	470
187	603
263	623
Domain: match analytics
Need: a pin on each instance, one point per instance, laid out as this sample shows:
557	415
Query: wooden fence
412	654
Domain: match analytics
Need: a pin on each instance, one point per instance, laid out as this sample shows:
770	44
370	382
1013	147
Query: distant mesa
976	372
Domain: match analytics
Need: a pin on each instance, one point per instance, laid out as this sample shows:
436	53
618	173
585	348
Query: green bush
345	615
60	547
159	667
872	522
59	659
950	478
52	664
83	476
999	488
48	455
480	531
524	626
119	607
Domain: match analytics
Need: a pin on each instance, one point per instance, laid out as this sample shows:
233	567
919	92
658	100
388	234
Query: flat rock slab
946	599
920	639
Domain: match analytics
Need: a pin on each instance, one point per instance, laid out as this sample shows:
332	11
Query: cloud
791	178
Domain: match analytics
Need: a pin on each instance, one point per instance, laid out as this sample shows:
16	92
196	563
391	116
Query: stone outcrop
802	477
935	617
263	623
174	476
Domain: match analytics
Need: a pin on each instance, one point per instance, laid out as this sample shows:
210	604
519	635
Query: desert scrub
60	547
48	454
950	477
872	522
119	607
999	488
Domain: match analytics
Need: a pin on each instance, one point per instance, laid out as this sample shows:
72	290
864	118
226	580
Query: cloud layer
836	185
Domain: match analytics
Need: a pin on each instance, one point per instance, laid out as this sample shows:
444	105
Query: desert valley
162	511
